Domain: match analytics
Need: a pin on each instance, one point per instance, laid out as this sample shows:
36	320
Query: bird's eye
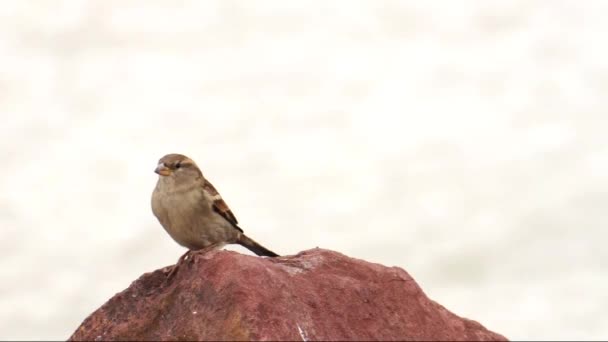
178	165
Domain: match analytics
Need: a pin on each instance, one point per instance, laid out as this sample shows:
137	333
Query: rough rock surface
315	295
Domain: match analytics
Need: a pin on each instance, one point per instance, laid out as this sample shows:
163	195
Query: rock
315	295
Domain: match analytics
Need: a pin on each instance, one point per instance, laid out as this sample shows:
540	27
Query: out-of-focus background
464	141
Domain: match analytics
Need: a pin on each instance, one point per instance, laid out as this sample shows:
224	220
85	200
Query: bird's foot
189	255
179	262
209	248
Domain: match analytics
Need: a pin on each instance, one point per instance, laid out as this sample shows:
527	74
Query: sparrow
192	211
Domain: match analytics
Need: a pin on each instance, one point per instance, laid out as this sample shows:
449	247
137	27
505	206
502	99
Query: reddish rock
315	295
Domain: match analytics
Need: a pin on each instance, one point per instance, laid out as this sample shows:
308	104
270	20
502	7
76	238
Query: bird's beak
162	170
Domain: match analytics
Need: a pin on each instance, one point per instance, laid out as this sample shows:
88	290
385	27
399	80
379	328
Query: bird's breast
181	214
182	204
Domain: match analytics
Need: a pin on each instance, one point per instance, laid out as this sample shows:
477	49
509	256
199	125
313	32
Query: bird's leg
179	262
209	248
183	257
189	253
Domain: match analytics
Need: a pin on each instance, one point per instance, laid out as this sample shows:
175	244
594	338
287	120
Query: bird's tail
255	247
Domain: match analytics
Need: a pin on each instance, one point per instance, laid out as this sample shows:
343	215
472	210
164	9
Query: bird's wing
220	206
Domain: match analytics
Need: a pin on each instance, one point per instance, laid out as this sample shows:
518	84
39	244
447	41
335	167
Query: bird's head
177	168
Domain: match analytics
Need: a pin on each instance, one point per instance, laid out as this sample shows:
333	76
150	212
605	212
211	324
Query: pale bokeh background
464	141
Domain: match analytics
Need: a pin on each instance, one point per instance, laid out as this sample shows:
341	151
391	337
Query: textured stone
315	295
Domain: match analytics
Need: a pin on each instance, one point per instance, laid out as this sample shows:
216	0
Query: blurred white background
464	141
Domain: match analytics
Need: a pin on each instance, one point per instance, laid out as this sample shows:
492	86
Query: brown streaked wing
220	206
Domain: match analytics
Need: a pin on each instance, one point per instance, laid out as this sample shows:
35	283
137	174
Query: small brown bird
193	212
